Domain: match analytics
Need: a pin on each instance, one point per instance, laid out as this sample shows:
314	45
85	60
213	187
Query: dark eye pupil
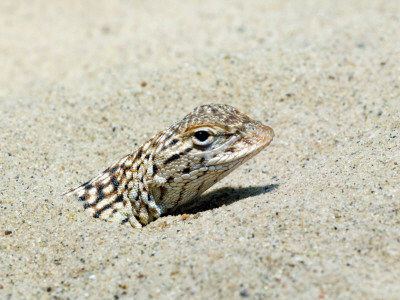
201	135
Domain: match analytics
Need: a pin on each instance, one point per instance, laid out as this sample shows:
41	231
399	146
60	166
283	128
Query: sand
314	216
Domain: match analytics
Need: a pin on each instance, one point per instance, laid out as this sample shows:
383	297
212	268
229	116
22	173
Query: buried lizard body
175	166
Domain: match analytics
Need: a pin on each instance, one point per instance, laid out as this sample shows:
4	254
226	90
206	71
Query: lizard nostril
270	131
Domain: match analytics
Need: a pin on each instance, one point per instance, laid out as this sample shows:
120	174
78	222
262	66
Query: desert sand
314	216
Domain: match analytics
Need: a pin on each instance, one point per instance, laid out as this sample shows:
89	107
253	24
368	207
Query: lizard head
206	145
220	134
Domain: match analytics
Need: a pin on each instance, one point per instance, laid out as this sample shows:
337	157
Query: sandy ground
315	216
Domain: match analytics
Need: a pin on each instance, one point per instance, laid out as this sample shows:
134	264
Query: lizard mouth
241	147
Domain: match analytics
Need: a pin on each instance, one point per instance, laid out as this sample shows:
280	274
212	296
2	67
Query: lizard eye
201	135
202	138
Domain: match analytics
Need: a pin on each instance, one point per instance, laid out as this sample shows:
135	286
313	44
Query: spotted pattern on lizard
175	166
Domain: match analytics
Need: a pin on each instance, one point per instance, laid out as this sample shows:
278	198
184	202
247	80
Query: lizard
175	166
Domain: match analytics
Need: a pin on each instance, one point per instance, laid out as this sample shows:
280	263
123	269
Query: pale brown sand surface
315	216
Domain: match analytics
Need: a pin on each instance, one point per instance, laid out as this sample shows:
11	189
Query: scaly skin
175	166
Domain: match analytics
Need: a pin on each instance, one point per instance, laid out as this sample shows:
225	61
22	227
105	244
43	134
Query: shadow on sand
223	196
